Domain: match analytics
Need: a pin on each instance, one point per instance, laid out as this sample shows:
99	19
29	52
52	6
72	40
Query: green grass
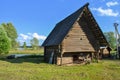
36	69
28	51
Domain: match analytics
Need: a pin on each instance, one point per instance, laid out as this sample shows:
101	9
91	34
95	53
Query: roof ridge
63	28
87	4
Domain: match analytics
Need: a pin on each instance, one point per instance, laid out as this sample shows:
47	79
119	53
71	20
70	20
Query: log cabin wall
80	39
48	51
76	57
77	34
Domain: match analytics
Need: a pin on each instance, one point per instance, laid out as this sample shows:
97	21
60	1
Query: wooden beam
61	58
61	55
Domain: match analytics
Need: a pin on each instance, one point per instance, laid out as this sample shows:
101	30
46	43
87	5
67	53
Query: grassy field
36	69
28	51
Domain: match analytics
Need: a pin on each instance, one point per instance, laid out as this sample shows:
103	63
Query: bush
4	41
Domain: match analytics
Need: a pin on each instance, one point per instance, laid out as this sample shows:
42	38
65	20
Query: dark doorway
75	58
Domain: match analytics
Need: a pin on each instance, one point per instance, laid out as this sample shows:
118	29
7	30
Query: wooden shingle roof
62	28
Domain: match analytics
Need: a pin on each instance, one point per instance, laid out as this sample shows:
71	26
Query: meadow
27	51
37	69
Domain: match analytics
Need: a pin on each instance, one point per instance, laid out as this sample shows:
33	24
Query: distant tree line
34	44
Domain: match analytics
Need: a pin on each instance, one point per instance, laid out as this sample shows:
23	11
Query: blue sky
36	18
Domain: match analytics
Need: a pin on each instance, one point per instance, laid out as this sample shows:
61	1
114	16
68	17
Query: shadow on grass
31	59
37	59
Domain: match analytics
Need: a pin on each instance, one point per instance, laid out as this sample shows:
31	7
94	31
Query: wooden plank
80	38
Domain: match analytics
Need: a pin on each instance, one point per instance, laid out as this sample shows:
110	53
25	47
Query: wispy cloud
32	35
39	37
111	3
106	12
29	33
27	37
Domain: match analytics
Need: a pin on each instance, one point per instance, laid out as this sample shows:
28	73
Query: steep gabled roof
62	28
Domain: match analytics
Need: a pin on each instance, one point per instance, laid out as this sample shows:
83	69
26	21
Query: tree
34	43
111	39
4	41
24	45
11	33
17	44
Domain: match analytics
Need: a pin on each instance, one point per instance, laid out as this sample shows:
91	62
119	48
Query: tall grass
36	69
104	70
27	51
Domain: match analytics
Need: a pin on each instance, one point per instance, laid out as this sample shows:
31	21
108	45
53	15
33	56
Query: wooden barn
75	39
104	52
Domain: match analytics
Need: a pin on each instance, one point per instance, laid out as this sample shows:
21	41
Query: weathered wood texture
76	38
75	57
80	39
48	51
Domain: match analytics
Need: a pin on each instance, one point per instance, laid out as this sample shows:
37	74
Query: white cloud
40	37
25	37
21	41
106	12
29	33
111	3
29	36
